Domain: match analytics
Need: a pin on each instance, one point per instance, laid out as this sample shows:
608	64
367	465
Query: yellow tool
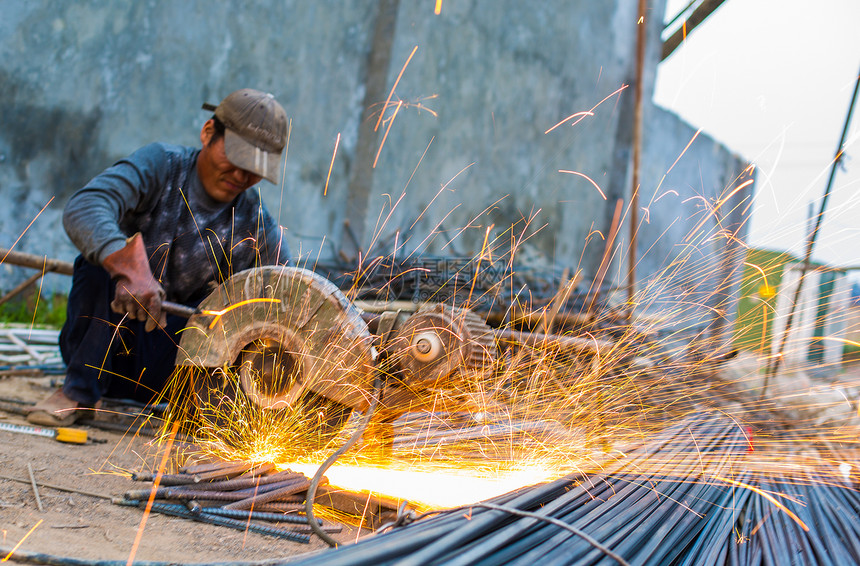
70	435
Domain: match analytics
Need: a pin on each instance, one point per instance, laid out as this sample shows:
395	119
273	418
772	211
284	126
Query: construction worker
162	224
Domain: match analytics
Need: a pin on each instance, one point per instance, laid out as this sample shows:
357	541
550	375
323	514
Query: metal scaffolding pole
776	359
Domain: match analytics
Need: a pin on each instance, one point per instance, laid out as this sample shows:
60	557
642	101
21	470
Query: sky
772	80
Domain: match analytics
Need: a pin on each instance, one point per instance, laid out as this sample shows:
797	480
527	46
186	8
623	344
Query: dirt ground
82	523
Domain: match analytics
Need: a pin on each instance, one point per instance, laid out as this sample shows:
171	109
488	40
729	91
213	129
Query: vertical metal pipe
776	360
637	150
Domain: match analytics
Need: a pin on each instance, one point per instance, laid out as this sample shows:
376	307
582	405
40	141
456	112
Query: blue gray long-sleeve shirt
190	238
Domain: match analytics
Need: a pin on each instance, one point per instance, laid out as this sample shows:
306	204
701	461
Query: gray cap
256	131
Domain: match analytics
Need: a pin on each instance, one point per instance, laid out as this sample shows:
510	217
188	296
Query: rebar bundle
683	499
239	495
462	280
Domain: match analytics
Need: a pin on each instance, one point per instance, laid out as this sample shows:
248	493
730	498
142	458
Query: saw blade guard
285	331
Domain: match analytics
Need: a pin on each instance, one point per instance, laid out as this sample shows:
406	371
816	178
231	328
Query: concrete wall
695	200
503	72
84	83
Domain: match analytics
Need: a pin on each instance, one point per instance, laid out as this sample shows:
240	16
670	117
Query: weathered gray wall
83	83
504	72
695	201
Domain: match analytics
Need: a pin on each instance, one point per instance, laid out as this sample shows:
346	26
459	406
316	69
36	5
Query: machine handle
178	310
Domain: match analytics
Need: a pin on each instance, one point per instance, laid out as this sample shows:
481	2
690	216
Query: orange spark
718	205
473	220
438	9
284	160
20	542
769	497
760	270
388	129
670	191
588	113
390	94
378	228
480	258
580	115
419	163
222	312
586	177
331	165
699	131
12	247
148	510
593	232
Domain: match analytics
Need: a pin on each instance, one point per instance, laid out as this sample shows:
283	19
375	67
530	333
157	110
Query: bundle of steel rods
486	285
815	522
240	495
681	500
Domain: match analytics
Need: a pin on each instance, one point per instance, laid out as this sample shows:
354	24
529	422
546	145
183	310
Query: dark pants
106	355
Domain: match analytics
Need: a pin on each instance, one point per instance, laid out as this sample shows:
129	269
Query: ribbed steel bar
526	536
665	504
180	511
530	531
623	532
242	482
389	547
181	494
289	504
712	544
210	467
257	515
274	495
837	510
454	542
807	511
274	486
245	469
632	505
765	536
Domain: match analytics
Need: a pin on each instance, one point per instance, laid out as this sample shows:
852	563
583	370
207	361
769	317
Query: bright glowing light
394	86
432	487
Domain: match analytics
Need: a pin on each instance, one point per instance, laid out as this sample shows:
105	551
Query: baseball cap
256	131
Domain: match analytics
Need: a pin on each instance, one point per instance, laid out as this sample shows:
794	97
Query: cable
596	544
312	489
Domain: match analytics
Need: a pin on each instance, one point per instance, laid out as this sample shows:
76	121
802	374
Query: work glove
137	291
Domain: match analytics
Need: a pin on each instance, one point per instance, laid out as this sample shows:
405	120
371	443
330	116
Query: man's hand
137	291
